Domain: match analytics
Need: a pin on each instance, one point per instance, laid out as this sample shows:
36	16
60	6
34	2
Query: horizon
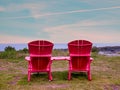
59	21
21	46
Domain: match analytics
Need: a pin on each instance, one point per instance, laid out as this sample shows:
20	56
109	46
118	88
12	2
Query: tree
10	48
25	50
95	49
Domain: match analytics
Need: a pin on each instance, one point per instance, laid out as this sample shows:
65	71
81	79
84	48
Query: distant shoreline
56	45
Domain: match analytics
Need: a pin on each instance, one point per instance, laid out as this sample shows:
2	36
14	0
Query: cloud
19	7
33	8
88	23
2	9
37	14
90	30
96	2
15	39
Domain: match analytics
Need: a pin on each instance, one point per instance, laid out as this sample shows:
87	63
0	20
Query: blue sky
59	21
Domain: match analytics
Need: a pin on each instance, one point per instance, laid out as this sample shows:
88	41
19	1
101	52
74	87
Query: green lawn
105	76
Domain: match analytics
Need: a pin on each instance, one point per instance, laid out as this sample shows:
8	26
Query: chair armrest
27	58
91	59
60	58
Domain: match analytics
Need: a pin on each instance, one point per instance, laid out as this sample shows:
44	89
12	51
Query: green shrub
95	49
8	54
24	50
9	48
60	52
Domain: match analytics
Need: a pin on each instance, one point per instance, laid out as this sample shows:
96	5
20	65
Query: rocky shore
110	50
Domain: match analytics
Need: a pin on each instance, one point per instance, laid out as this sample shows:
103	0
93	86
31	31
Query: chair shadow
79	75
60	75
57	76
39	77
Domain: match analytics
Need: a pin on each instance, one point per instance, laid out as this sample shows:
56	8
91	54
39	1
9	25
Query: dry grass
105	76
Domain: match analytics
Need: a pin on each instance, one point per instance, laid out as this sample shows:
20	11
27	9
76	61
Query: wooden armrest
27	58
60	58
91	59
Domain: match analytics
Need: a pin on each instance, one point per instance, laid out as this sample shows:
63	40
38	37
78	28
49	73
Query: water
56	46
22	46
16	46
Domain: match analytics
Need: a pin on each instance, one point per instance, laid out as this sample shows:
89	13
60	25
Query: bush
9	48
95	49
60	52
9	52
25	50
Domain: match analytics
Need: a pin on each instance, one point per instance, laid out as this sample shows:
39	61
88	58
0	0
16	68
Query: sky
59	21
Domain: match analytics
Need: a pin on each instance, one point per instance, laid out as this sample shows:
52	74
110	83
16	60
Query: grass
105	76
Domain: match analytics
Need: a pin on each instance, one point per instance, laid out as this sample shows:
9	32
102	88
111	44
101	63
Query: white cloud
14	39
36	12
2	9
88	23
83	30
99	2
33	8
30	6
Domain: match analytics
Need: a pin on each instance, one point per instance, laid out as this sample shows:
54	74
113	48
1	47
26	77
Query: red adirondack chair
40	57
79	51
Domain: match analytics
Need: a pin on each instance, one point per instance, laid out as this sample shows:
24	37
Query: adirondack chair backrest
40	47
79	51
80	47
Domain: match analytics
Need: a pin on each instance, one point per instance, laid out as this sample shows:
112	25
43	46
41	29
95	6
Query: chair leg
69	75
50	76
29	75
89	75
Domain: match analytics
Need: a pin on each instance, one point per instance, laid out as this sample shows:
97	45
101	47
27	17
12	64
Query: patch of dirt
59	69
2	68
22	70
15	80
54	86
102	68
11	68
112	87
4	65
